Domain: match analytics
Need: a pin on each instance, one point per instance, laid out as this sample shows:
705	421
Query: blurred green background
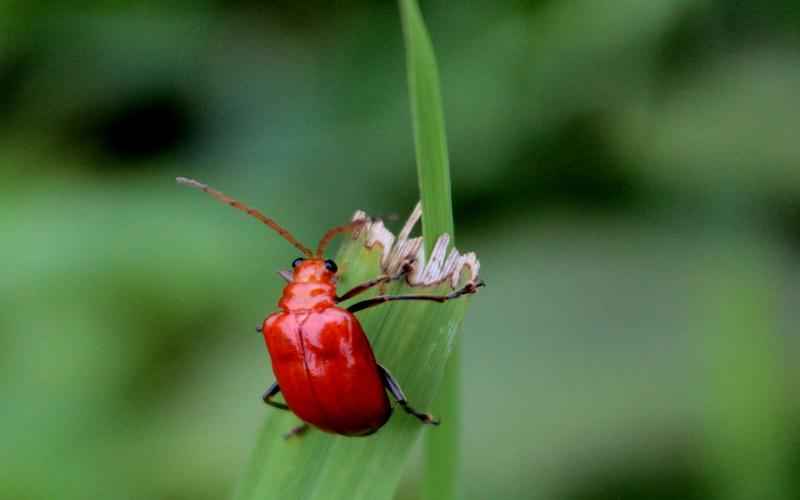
628	172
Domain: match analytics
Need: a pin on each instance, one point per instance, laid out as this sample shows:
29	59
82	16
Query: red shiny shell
326	369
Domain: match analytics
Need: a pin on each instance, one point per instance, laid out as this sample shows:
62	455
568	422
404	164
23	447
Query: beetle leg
380	280
468	289
297	431
270	393
363	287
393	386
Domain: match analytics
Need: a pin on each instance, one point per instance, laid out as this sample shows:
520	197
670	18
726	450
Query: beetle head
313	271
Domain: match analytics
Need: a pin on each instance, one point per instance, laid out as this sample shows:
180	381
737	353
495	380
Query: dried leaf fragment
401	250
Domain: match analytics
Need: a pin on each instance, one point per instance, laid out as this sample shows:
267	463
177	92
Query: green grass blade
413	340
442	451
427	116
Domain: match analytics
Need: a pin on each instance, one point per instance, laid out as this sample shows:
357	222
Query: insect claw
471	288
407	267
296	432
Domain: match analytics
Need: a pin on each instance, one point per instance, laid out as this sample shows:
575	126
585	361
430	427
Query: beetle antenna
250	211
326	239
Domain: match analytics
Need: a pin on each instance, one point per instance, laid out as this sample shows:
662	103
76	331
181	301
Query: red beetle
321	358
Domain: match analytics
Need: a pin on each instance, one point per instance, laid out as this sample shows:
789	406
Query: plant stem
442	447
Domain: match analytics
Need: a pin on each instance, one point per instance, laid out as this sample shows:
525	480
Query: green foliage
413	340
428	121
443	449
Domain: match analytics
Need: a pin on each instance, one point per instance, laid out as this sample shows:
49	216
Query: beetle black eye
297	261
331	266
